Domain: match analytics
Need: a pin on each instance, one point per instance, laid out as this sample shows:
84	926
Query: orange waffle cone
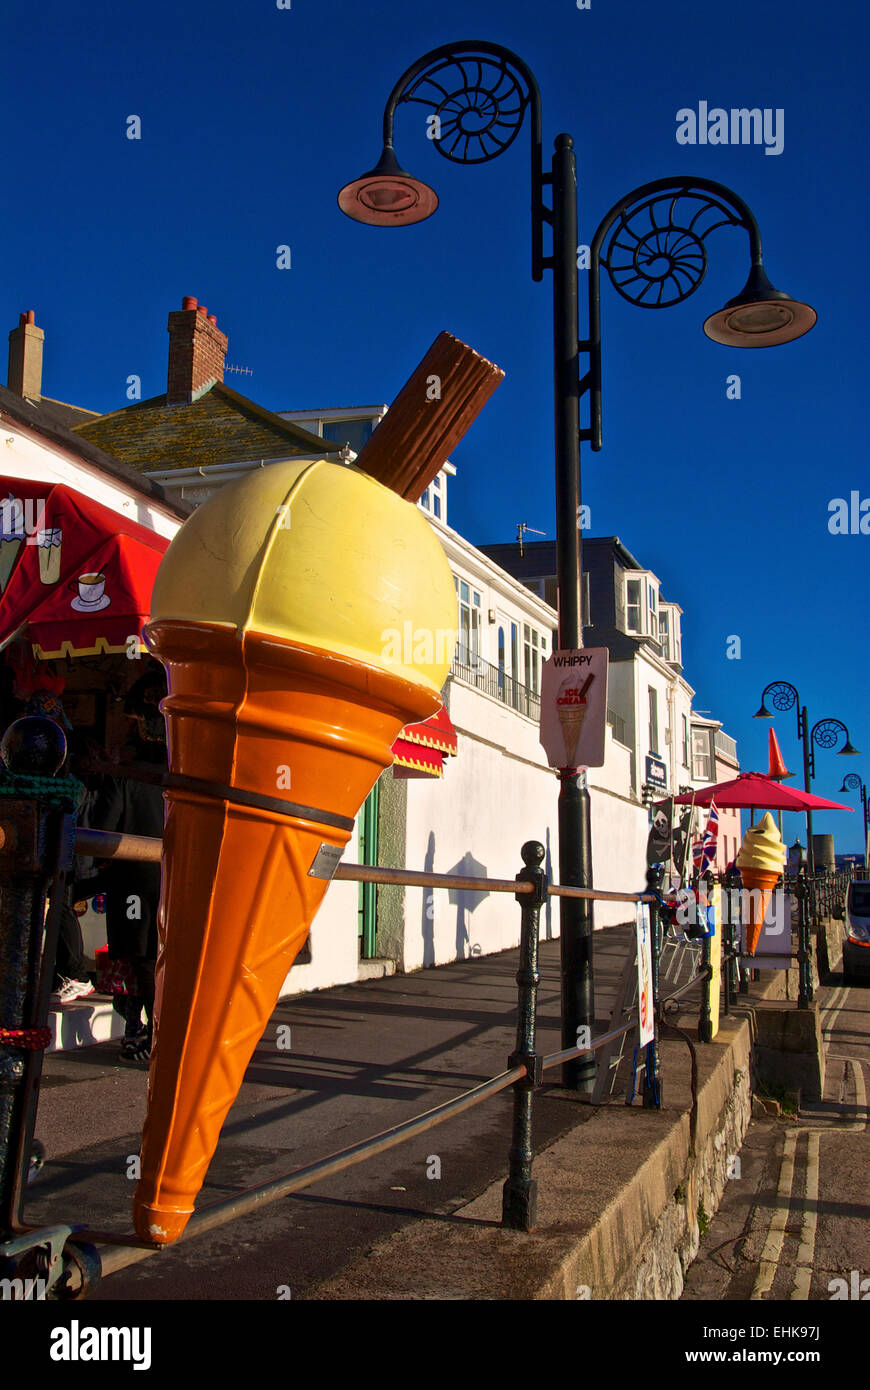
237	900
766	880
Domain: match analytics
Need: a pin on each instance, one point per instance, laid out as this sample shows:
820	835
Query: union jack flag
704	851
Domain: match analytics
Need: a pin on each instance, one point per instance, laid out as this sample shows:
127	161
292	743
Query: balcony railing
493	681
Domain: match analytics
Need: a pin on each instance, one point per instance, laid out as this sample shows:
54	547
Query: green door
368	892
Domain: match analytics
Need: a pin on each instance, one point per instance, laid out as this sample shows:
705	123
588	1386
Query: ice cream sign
574	707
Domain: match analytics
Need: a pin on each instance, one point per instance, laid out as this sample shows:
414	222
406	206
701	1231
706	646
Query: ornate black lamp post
476	96
851	783
824	734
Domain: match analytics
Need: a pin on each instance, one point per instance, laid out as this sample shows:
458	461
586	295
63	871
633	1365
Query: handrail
120	1255
106	844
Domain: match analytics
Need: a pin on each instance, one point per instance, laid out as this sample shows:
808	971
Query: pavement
361	1058
338	1066
794	1223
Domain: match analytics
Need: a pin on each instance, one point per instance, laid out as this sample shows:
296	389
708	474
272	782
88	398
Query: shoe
70	990
136	1049
37	1159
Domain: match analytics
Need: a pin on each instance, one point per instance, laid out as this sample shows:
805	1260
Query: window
355	433
436	495
702	763
664	633
633	610
653	721
532	643
468	649
642	604
685	741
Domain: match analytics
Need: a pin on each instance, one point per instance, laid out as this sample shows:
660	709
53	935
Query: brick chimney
197	352
25	358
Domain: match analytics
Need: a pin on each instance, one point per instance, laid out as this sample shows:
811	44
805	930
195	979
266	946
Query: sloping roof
220	426
538	558
45	420
65	414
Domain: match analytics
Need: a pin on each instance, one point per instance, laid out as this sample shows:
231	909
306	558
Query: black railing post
651	1089
520	1192
36	841
805	987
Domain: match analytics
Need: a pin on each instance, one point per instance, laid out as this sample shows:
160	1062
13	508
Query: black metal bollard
805	985
36	845
651	1086
520	1193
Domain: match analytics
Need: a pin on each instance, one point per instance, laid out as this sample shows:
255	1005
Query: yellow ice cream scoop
322	555
762	847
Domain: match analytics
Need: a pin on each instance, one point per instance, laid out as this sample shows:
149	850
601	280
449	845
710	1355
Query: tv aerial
522	528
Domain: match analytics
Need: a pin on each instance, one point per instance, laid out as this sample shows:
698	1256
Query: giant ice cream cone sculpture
760	860
279	612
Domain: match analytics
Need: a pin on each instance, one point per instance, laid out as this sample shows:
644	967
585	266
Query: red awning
75	576
420	749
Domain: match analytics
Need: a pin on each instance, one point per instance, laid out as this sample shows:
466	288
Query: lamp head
763	713
387	196
760	316
848	751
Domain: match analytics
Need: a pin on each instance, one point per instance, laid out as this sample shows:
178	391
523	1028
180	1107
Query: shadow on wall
465	903
429	905
548	909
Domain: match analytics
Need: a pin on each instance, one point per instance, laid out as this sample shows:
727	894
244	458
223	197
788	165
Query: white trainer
70	990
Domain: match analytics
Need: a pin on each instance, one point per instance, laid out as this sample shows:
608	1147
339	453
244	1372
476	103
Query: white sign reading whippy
574	707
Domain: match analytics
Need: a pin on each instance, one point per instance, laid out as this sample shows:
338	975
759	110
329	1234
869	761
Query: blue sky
253	118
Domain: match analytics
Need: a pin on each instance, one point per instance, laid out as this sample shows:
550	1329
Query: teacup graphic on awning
75	576
91	596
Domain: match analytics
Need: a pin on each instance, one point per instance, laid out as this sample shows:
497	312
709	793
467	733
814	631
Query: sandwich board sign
714	918
645	995
574	707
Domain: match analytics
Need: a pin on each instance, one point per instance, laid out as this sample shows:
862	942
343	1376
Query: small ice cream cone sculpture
760	860
275	612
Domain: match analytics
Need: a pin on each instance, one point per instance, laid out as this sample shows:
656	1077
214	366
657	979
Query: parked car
856	942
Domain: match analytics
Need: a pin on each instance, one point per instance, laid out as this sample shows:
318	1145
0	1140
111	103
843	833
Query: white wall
620	827
497	794
334	937
29	455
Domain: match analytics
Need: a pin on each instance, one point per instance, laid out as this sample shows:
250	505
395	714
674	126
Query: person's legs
144	971
69	962
70	982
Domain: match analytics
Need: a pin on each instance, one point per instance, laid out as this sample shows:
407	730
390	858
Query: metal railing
493	681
